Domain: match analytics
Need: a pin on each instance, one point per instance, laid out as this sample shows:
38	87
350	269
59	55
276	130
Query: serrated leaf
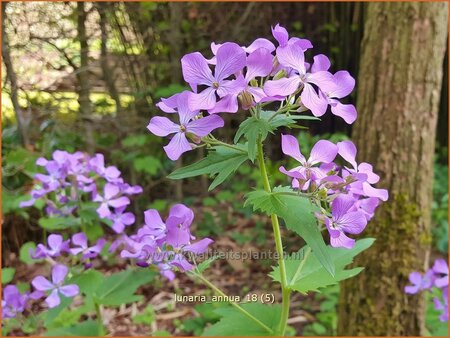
7	275
313	275
298	214
119	288
233	322
253	128
221	162
285	120
206	263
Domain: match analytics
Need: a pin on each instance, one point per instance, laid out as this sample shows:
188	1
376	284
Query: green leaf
253	128
7	275
24	253
221	162
285	120
87	328
147	316
234	323
313	275
298	214
206	263
58	223
119	288
53	313
88	281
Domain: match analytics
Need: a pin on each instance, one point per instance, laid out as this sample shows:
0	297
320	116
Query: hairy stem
286	292
236	305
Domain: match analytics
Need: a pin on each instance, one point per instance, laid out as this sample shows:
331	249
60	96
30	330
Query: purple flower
13	301
282	36
322	152
56	246
179	144
442	305
111	198
165	244
345	218
121	219
56	286
339	85
230	60
419	282
80	240
440	268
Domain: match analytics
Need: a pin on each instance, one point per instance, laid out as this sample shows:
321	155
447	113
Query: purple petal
54	241
259	63
323	151
283	87
353	222
183	212
440	266
168	105
228	104
205	125
260	43
342	241
119	202
321	63
198	247
41	283
305	44
59	273
153	219
370	191
345	83
230	59
346	111
204	100
53	299
196	70
280	34
347	150
341	205
128	218
295	173
177	146
80	240
318	104
69	290
103	210
410	289
111	190
184	111
228	87
290	147
292	56
162	126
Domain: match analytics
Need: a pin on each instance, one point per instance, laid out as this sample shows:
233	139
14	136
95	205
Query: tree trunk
107	72
12	78
399	87
82	73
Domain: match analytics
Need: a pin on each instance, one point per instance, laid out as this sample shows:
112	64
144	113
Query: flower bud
246	99
280	74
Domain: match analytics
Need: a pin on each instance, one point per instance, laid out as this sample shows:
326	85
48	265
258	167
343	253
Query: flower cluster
257	74
347	190
15	302
436	277
165	244
71	179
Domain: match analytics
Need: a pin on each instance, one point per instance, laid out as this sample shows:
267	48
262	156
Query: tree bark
398	92
107	72
82	74
12	78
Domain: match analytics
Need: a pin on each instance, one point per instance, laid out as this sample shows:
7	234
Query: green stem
285	291
98	313
237	306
